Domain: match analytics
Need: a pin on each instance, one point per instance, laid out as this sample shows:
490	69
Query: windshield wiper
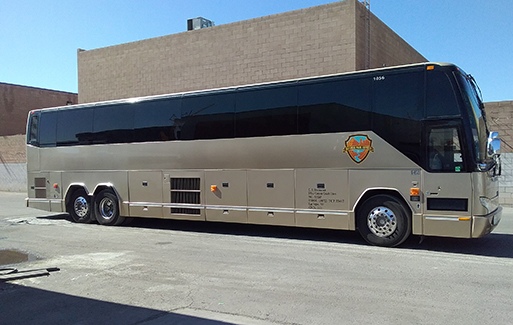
479	95
475	86
478	92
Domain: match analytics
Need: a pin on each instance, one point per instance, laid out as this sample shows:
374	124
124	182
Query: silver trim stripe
236	208
442	218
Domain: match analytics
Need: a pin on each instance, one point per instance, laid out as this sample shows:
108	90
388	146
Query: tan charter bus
388	152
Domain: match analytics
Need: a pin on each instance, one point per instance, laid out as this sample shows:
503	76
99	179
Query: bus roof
262	84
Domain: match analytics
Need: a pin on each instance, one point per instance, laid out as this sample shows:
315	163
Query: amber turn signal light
415	194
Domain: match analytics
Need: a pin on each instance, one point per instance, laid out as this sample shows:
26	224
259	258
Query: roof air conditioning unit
199	23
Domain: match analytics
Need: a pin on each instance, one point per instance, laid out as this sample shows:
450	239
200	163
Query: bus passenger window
445	150
32	135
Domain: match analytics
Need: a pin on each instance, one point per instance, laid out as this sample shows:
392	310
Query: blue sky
39	39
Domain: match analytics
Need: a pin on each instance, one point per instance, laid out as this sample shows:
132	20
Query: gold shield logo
358	147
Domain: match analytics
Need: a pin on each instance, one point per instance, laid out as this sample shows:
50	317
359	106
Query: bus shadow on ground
492	245
48	307
252	230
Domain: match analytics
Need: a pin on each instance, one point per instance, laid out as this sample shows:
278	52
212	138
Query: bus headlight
487	203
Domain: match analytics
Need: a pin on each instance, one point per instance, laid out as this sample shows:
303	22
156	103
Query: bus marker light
430	68
213	188
415	194
55	185
464	218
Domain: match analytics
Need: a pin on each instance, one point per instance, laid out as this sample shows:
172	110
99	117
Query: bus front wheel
383	220
106	208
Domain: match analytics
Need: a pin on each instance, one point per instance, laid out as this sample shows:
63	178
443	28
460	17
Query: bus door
447	184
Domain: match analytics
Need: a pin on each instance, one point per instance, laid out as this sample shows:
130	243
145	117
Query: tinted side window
266	111
399	95
158	120
33	130
48	129
74	127
113	124
440	95
445	150
208	116
398	111
334	106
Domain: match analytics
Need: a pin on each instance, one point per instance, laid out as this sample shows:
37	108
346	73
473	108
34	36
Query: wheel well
102	187
70	192
392	193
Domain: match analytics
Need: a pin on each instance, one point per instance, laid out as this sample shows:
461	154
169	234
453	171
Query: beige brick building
320	40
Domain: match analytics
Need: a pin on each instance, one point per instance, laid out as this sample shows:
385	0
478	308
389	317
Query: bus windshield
475	108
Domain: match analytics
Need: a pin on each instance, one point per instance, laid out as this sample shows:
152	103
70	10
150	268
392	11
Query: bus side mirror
494	144
494	147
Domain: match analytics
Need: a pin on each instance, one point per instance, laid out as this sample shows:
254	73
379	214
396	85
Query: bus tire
79	207
106	208
383	220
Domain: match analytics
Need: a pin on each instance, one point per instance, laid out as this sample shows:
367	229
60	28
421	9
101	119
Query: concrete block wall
500	118
308	42
13	170
16	101
506	180
13	177
12	149
385	48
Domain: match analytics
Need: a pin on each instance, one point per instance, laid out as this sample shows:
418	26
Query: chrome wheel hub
81	207
106	208
382	221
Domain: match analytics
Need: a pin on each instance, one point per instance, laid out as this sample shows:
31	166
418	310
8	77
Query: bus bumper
44	204
484	225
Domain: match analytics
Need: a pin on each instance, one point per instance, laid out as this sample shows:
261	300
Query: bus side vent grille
186	191
187	184
40	187
185	197
185	211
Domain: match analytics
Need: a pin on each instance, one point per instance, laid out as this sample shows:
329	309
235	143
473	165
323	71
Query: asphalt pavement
175	272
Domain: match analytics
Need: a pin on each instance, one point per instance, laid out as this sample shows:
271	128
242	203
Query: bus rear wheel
79	207
383	220
106	208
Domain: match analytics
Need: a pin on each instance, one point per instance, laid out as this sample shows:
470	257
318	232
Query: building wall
12	149
13	170
313	41
500	118
16	101
386	47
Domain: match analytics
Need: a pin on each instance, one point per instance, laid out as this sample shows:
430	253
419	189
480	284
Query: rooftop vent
199	23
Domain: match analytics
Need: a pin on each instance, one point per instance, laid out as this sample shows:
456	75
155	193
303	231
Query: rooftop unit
199	23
